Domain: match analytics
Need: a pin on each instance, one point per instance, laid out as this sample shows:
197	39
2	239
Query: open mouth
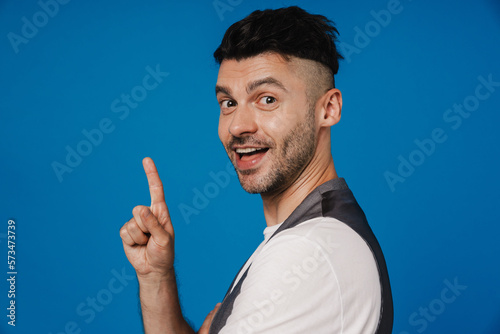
246	154
249	157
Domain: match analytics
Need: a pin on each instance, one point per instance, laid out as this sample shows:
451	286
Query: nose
243	122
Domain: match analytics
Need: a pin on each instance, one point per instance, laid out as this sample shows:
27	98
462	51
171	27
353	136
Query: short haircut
287	31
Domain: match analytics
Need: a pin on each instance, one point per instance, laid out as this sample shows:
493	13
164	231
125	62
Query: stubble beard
288	161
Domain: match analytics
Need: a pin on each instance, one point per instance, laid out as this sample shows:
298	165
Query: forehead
241	72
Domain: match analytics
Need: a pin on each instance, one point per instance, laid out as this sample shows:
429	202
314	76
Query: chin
258	185
248	183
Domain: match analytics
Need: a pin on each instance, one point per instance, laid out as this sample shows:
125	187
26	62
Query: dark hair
287	31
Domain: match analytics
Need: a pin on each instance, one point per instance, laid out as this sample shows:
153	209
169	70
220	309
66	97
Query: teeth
248	150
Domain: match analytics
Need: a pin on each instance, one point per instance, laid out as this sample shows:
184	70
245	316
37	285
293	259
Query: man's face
267	123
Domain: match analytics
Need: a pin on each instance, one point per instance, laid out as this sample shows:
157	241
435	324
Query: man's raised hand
148	238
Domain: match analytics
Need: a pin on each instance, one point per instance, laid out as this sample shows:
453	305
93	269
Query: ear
331	107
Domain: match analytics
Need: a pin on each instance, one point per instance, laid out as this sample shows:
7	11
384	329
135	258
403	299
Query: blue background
440	224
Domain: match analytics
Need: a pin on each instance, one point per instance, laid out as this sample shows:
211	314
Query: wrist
155	278
156	287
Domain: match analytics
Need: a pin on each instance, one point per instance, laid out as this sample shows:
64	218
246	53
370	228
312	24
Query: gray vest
331	199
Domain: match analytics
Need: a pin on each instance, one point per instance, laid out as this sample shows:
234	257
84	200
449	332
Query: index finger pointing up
155	185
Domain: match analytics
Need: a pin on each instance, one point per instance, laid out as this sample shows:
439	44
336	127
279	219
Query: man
320	268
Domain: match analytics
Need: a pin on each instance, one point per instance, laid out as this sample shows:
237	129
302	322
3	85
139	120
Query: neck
278	206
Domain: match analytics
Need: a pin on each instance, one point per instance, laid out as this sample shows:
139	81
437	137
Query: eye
268	100
227	104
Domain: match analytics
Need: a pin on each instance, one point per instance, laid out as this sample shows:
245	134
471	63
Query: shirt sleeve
319	277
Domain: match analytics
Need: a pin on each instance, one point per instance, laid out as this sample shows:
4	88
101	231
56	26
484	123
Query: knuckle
142	211
132	227
145	212
164	217
137	210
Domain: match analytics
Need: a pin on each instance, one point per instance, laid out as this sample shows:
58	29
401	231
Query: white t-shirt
317	277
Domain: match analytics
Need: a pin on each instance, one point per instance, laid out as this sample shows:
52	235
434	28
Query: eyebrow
252	86
265	81
222	89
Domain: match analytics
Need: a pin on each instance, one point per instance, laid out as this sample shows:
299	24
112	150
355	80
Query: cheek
290	114
223	129
221	134
278	127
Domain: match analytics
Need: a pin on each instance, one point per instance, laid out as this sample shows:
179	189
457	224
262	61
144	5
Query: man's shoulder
336	241
318	230
326	263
